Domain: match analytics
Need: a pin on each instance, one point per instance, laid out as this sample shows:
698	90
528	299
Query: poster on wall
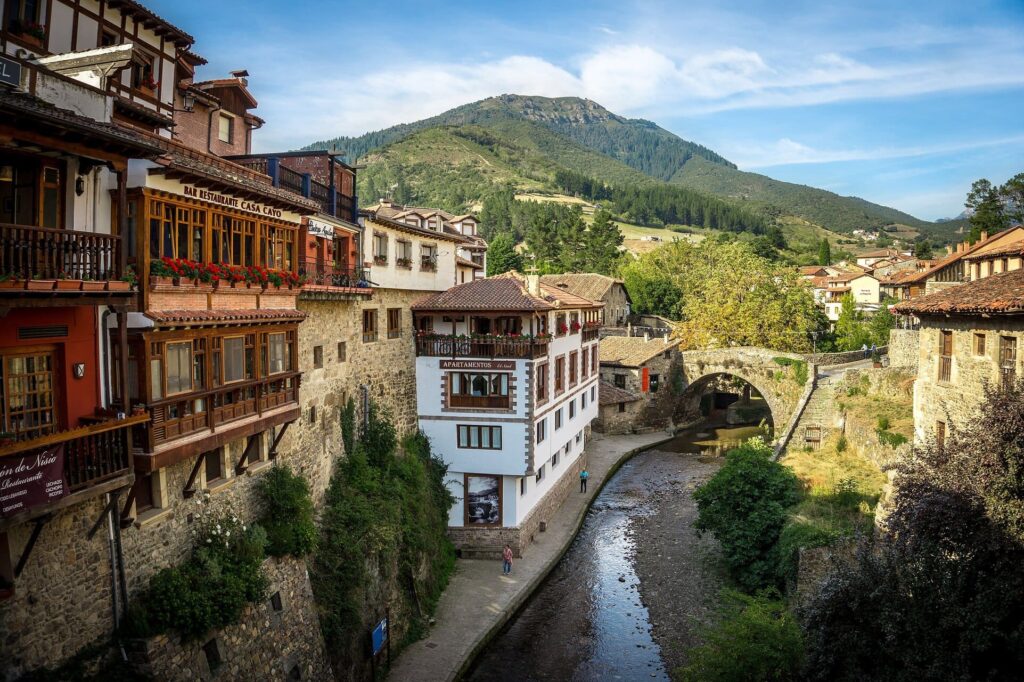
32	480
483	501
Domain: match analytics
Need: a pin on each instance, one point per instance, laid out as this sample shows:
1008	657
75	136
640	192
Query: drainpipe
105	353
118	584
209	130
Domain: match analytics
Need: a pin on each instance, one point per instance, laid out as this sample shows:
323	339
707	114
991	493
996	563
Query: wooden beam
277	441
243	461
106	510
190	487
36	530
126	518
116	160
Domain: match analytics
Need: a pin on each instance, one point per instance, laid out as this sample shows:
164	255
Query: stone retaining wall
903	347
830	359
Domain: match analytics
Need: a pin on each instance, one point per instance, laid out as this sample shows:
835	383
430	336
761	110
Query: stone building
619	410
646	367
969	338
607	290
506	390
964	262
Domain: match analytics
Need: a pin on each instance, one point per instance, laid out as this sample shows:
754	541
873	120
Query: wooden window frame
542	383
463	436
979	343
945	367
491	401
574	376
342	351
394	323
559	375
370	332
56	382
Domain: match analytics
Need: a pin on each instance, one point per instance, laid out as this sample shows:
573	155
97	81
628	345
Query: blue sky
903	104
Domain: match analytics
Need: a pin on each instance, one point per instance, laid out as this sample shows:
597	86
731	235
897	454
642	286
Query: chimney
665	338
960	247
533	284
984	235
647	337
949	249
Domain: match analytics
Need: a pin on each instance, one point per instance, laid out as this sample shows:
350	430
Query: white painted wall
390	276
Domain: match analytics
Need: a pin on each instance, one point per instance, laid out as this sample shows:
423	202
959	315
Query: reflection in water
586	621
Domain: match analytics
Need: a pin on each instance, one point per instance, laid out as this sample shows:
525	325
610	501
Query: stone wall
955	402
611	421
655	409
276	639
830	359
903	347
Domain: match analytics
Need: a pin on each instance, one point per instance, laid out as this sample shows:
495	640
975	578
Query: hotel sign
32	480
318	228
232	202
10	72
507	365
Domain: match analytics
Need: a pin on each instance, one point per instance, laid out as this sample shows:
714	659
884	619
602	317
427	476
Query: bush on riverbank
382	540
757	639
745	506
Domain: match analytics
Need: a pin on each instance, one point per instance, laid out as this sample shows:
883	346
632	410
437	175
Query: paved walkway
479	600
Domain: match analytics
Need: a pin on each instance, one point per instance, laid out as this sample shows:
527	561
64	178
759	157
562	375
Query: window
560	327
542	382
142	73
108	39
979	343
542	430
940	434
237	359
179	367
573	368
425	324
312	414
568	447
403	254
579	436
622	407
478	390
279	354
522	485
34	194
341	351
369	325
554	458
593	359
620	380
225	128
540	474
593	393
1007	361
479	437
584	365
394	323
559	375
945	356
143	493
380	248
21	14
572	408
583	400
558	418
318	356
655	382
428	257
214	466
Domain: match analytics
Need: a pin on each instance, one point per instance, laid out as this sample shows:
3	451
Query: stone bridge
784	380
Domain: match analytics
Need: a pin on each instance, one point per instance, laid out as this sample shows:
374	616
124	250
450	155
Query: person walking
506	560
584	475
865	349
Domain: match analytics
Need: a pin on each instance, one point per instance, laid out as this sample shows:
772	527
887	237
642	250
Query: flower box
40	284
69	284
160	281
12	284
118	285
92	285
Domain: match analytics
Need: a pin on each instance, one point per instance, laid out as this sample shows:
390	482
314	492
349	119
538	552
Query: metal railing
28	252
329	274
92	454
481	347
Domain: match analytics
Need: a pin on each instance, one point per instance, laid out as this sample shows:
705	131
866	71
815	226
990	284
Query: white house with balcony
506	380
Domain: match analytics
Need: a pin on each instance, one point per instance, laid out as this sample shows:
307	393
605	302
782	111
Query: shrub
799	368
757	639
841	444
211	589
744	505
348	426
883	423
289	513
891	439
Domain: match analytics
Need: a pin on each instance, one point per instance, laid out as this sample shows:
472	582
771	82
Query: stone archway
701	396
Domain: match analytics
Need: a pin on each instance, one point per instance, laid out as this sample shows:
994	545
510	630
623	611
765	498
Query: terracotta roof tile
491	293
589	285
449	235
459	260
610	394
998	294
175	317
632	351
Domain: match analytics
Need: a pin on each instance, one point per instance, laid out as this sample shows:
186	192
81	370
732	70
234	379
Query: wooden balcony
42	253
188	414
97	458
591	331
484	402
504	347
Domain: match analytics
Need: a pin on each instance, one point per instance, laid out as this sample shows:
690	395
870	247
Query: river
588	619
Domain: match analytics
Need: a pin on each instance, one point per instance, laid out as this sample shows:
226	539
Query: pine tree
987	212
850	331
824	252
603	240
502	255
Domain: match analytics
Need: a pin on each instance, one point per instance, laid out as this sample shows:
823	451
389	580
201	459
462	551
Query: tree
923	249
941	595
879	326
745	506
502	255
601	244
850	331
986	207
824	252
1012	194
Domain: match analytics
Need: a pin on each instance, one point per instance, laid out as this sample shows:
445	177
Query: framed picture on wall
483	500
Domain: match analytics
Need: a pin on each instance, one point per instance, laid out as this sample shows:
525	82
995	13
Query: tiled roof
952	258
148	17
507	292
632	351
810	269
997	294
397	212
1014	249
175	317
610	394
468	263
450	235
586	284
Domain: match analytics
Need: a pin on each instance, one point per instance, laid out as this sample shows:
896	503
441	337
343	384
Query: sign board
318	228
10	72
232	202
379	636
507	365
32	480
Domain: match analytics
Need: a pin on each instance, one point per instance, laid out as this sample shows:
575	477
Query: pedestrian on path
584	475
506	560
865	349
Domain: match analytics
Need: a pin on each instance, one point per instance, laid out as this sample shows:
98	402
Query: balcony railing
481	402
481	347
945	368
254	163
290	180
28	252
92	454
328	274
591	330
198	411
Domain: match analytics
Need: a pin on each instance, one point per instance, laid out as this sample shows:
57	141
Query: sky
901	103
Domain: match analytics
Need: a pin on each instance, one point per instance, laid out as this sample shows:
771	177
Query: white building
506	377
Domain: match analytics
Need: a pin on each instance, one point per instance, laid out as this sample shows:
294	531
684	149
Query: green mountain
524	141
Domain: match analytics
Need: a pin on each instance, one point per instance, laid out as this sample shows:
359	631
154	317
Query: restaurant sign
32	480
232	202
10	72
318	228
506	365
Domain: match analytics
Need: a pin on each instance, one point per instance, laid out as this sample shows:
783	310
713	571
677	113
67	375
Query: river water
587	620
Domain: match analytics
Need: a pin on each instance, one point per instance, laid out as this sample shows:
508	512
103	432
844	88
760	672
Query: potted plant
138	410
126	283
89	284
876	359
10	280
38	283
380	260
65	283
162	272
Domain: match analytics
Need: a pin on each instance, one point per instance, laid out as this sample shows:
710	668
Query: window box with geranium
11	281
404	263
66	283
575	326
28	28
380	260
562	329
